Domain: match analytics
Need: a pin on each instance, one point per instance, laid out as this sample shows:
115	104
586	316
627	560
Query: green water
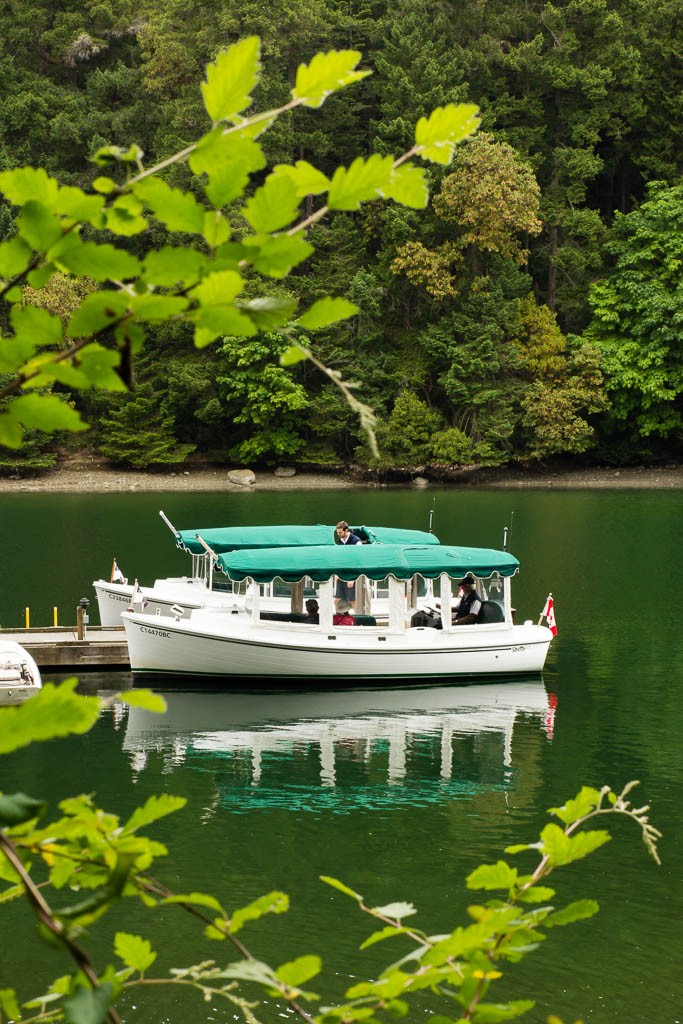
400	794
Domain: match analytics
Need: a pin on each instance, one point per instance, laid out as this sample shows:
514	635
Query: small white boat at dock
19	674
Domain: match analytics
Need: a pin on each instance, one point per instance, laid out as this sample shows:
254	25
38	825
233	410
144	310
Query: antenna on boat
431	516
507	533
168	523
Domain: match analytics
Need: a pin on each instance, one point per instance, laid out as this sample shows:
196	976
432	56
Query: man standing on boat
468	610
345	591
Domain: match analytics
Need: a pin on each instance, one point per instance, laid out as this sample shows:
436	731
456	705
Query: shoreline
97	480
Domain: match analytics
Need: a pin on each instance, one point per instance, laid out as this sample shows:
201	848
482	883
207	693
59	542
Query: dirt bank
101	480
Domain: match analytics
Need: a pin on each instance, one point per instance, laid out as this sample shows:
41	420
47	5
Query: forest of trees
533	311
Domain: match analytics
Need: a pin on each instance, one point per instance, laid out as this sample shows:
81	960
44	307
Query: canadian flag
549	614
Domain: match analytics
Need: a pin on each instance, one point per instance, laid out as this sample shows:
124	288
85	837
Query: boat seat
491	611
365	620
284	616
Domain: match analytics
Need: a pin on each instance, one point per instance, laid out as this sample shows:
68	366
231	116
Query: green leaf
98	365
248	970
298	972
577	911
135	951
17	808
173	265
582	804
178	210
14	352
494	1013
124	216
408	186
11	434
197	899
216	228
381	935
47	413
269	313
228	160
153	809
437	135
307	179
157	307
97	311
537	894
28	183
275	256
364	180
104	185
231	78
397	910
9	1005
563	849
294	354
101	262
15	257
218	289
273	206
325	312
38	226
36	325
336	884
272	903
146	699
327	73
54	711
75	204
492	876
89	1006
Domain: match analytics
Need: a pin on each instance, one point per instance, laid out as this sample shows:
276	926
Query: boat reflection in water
342	751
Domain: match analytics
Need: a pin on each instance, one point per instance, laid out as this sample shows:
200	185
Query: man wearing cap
468	610
344	590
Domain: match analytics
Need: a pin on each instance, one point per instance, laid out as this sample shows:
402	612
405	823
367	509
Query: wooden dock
61	649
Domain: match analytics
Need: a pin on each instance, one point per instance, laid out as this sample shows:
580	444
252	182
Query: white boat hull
19	674
218	646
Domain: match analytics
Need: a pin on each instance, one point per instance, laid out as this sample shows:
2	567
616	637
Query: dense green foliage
74	869
477	310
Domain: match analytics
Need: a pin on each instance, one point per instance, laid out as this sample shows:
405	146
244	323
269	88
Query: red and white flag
549	614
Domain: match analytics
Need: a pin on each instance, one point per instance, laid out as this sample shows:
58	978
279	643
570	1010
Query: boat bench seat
491	611
361	620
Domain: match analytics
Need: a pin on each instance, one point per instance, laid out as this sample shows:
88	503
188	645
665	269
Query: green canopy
376	561
236	538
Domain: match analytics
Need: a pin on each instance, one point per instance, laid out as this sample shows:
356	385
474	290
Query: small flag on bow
116	574
548	614
138	598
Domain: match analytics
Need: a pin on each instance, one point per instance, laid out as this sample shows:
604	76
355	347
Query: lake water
398	793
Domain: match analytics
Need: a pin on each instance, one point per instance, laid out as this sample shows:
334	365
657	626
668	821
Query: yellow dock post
54	616
27	617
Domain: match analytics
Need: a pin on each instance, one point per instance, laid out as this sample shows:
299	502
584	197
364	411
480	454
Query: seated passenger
469	606
312	611
342	616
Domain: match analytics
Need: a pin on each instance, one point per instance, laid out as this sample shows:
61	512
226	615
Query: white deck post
326	603
507	599
255	601
397	606
446	601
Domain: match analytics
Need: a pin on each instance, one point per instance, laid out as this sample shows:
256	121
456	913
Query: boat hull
235	648
19	674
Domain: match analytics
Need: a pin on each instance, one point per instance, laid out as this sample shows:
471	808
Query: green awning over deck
237	538
376	561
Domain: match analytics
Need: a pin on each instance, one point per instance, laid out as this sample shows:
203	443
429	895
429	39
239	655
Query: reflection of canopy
236	538
376	561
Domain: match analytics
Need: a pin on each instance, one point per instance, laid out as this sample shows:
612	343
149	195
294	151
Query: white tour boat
201	588
218	644
19	674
